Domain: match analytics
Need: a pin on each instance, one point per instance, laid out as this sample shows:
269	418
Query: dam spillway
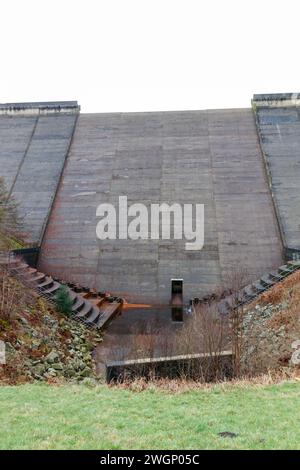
60	164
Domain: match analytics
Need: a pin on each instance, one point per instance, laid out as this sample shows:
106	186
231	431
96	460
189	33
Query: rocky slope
270	327
40	343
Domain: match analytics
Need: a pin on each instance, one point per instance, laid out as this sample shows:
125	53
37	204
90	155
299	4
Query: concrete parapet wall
277	100
39	108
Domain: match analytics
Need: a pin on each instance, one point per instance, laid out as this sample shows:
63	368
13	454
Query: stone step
85	310
51	290
294	264
30	270
258	287
267	281
223	307
249	292
275	275
285	269
94	315
78	305
97	302
38	278
48	282
108	312
20	267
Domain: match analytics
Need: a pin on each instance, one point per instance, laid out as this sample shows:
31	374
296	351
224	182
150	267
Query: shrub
63	300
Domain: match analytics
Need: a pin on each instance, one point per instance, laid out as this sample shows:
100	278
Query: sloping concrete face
206	157
248	235
34	142
15	135
278	119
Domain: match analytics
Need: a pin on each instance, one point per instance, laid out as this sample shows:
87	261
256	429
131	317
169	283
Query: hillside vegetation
41	343
271	325
10	221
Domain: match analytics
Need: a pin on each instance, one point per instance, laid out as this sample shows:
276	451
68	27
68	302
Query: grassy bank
40	416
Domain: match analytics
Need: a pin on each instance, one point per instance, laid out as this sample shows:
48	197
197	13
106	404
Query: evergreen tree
63	301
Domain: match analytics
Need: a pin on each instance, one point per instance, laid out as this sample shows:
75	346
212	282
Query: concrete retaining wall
208	367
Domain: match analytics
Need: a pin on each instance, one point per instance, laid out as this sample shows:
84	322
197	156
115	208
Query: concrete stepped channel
253	290
93	309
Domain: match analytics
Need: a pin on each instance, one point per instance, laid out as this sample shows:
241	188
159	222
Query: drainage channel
140	330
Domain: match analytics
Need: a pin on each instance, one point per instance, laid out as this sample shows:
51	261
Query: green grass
78	417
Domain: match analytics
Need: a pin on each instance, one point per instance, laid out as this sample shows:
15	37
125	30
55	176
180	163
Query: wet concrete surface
138	333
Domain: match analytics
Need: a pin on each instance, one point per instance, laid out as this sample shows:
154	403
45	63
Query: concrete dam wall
209	157
216	158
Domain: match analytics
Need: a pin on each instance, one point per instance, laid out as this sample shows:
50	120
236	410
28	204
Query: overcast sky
146	55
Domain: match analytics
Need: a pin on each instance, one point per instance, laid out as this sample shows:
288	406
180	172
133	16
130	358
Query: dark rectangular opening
176	286
177	300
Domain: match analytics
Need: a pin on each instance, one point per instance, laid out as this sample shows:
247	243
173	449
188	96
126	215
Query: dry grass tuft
273	296
285	374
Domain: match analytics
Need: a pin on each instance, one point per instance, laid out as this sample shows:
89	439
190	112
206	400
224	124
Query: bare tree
10	222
